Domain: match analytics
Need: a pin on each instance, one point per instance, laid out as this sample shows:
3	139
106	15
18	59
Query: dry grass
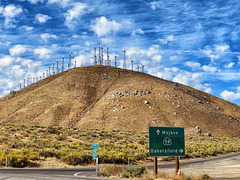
67	147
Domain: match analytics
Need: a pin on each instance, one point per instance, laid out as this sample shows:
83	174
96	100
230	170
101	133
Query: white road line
76	174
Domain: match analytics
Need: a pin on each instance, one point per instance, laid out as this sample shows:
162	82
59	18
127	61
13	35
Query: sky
192	42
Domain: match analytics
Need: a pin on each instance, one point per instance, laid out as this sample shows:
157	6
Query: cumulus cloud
47	36
221	48
10	12
63	3
103	26
229	95
209	69
230	65
216	52
17	50
82	59
193	65
167	40
155	5
193	80
43	53
42	18
6	61
75	13
27	28
137	32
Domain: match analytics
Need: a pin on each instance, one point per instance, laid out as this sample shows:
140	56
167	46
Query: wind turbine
142	67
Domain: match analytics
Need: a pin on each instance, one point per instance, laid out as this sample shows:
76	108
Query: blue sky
193	42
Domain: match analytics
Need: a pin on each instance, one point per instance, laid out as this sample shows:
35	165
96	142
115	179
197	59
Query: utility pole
57	68
49	70
107	56
99	56
24	83
70	61
75	64
95	56
132	64
115	61
43	75
47	74
102	56
124	61
62	64
53	68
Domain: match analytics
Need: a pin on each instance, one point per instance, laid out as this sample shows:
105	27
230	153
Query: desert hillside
101	97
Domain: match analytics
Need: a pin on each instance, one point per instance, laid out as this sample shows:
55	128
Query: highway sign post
94	155
166	141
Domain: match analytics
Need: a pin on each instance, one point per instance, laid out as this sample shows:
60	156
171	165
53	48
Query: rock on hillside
100	97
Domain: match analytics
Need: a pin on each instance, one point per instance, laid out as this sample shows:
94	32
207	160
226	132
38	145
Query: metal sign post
94	155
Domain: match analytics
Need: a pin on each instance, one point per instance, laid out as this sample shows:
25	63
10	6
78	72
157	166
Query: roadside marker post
94	155
166	141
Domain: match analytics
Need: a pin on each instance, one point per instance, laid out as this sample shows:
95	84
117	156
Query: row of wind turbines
52	70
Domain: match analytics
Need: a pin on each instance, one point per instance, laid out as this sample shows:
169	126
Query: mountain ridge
104	97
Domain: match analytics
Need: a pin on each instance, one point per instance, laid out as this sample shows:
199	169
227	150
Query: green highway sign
94	146
94	154
166	141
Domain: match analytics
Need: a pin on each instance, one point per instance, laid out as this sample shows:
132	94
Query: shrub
17	159
134	172
33	156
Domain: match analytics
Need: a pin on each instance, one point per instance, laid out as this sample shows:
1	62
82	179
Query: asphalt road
220	167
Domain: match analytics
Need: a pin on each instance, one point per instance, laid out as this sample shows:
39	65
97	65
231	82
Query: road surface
220	168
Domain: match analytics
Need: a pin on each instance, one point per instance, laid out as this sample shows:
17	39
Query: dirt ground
221	167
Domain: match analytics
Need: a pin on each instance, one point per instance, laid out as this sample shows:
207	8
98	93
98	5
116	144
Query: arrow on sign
158	132
181	150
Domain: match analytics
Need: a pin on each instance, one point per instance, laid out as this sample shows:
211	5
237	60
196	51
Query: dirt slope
101	97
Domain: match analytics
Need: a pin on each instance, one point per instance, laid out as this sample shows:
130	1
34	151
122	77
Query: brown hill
100	97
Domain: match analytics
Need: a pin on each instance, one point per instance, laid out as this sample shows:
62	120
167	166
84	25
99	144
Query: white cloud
155	5
27	28
6	61
63	3
78	10
81	60
193	80
193	65
17	50
43	53
216	52
46	36
221	48
103	26
42	18
167	73
137	32
229	95
238	88
10	12
230	65
209	69
33	1
1	9
167	40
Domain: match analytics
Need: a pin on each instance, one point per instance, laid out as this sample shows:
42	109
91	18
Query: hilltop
102	97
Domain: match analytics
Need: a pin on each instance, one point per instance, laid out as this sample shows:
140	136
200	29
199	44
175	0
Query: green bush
134	172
